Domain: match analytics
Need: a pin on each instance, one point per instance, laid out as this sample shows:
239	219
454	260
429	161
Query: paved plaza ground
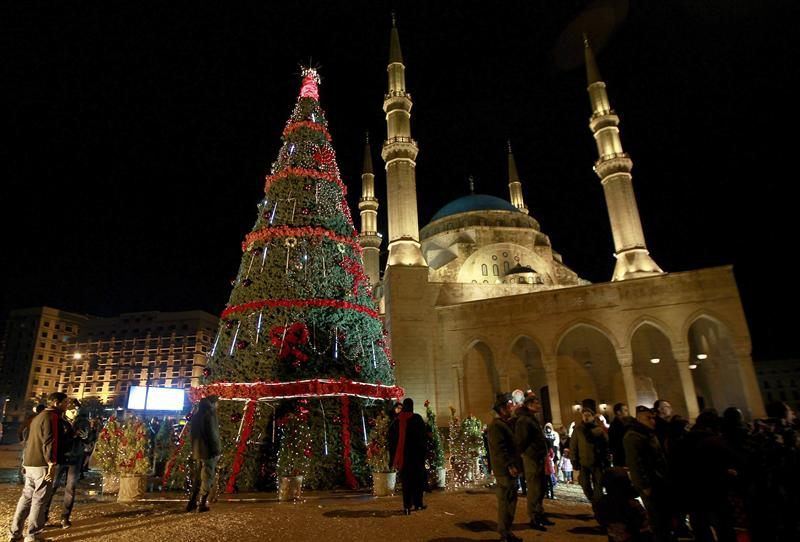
463	515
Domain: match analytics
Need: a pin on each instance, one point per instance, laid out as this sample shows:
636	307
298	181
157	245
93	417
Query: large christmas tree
300	338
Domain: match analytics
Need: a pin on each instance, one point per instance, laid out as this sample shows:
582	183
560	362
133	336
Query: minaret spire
614	169
514	183
400	152
369	238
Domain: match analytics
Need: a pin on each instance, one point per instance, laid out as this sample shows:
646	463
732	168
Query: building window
495	270
484	270
47	324
505	267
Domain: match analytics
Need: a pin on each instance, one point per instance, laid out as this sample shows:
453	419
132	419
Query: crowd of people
653	476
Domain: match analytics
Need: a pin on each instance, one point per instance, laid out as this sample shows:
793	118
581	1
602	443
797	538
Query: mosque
478	301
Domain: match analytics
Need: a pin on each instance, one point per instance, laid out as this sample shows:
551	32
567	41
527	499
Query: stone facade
595	341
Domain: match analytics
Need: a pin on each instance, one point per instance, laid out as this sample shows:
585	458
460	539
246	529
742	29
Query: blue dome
474	202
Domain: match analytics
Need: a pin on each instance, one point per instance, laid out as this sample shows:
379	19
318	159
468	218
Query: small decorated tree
107	450
466	445
122	451
378	449
294	455
434	452
134	442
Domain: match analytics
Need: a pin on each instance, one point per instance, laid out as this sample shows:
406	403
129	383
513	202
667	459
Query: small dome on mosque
474	202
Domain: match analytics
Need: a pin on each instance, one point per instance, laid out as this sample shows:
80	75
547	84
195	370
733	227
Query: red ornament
290	339
247	282
241	344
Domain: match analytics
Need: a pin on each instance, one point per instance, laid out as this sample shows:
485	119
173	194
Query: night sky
138	134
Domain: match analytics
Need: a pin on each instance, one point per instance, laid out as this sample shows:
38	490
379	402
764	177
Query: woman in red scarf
407	455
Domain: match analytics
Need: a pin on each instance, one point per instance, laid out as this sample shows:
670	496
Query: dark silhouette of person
406	441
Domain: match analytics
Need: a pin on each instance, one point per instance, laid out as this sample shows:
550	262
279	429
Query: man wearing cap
589	445
505	466
532	445
647	465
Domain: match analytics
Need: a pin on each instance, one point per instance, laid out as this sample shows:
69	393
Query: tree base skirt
441	477
110	483
131	487
290	488
383	483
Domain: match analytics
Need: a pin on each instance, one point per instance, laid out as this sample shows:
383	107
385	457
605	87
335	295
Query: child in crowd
565	465
550	474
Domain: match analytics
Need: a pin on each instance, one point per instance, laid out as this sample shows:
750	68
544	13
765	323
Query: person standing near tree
532	445
206	449
505	466
70	458
40	461
406	440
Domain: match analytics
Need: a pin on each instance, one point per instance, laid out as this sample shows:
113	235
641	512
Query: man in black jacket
505	466
616	432
206	449
532	445
70	458
40	461
647	466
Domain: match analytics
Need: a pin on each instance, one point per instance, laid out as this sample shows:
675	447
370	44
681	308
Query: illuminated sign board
157	398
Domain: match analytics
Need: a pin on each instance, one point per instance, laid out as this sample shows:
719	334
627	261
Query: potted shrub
134	461
384	477
294	454
434	453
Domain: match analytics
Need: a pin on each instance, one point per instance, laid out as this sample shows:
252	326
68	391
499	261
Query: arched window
495	270
506	267
484	270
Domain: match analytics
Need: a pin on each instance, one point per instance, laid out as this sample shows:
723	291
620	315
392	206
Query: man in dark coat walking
647	466
532	446
505	466
206	449
406	440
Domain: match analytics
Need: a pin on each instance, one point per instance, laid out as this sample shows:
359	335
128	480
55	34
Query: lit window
495	270
484	270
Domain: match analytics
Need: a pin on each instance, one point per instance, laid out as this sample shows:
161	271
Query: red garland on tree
355	269
238	460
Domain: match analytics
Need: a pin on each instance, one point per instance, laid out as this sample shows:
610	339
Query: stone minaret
368	206
400	152
514	184
614	169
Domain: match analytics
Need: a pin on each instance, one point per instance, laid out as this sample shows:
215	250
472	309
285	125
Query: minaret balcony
608	164
399	147
602	119
401	102
396	93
